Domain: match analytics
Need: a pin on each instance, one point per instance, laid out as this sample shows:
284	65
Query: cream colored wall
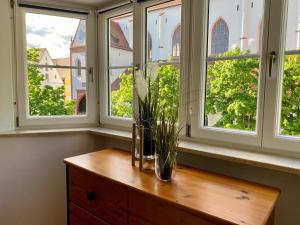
287	211
32	177
6	81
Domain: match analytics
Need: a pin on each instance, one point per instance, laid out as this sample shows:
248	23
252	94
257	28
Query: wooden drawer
99	196
147	210
79	216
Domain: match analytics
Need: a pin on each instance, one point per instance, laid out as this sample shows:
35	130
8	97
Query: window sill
23	132
264	160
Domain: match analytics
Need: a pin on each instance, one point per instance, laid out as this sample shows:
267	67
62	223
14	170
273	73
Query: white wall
32	177
6	81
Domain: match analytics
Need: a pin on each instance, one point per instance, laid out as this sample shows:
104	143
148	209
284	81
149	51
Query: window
53	40
46	77
119	70
282	106
226	90
162	26
219	37
176	42
79	67
150	45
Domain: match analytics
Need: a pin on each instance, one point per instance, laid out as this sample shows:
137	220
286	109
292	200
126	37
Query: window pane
234	32
121	92
120	40
56	41
235	24
164	31
55	92
56	37
290	104
231	94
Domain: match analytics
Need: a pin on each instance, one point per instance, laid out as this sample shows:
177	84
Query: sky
51	32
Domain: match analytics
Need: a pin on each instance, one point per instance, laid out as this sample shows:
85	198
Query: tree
47	100
122	98
232	93
290	107
168	92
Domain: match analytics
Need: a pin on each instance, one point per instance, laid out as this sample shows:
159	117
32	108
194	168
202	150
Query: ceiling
93	3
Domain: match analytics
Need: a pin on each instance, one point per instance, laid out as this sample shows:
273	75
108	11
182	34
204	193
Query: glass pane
164	31
234	30
290	104
56	92
56	37
235	24
121	40
169	76
55	40
231	94
121	93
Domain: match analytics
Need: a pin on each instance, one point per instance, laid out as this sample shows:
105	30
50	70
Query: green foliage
122	98
232	91
166	140
290	109
45	101
168	76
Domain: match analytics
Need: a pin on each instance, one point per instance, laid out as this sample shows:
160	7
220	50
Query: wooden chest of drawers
103	189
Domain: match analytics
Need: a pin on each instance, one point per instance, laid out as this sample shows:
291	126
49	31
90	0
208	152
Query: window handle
271	62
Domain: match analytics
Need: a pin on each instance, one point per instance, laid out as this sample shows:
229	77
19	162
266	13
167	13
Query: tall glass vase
144	142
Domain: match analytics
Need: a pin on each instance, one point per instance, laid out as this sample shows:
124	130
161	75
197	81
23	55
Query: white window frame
139	11
105	118
289	145
198	71
25	120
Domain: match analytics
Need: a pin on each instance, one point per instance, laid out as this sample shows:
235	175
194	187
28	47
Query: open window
53	66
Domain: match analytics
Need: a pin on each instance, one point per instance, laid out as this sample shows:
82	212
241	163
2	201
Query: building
78	76
65	75
51	75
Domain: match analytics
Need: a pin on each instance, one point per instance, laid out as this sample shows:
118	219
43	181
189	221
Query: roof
41	52
117	37
80	35
62	62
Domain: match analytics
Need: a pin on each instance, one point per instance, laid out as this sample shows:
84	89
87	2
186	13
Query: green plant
166	143
168	98
147	87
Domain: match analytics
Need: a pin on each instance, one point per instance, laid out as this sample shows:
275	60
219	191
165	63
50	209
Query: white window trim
103	38
139	51
272	138
198	71
23	104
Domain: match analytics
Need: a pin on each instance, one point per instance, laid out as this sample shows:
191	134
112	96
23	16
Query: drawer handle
91	196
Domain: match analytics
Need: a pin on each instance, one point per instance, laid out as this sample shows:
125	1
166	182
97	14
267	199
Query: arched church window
78	67
220	37
149	46
176	42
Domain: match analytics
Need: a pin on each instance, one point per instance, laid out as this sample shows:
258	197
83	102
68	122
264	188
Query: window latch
271	62
91	72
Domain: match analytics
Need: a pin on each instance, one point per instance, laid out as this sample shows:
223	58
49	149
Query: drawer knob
91	195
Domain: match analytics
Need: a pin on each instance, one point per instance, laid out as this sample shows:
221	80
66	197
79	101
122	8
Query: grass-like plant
147	86
166	143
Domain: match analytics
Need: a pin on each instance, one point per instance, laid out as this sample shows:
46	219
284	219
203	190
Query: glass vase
164	171
143	142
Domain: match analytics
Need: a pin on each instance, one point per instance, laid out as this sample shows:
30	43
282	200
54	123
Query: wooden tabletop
231	200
